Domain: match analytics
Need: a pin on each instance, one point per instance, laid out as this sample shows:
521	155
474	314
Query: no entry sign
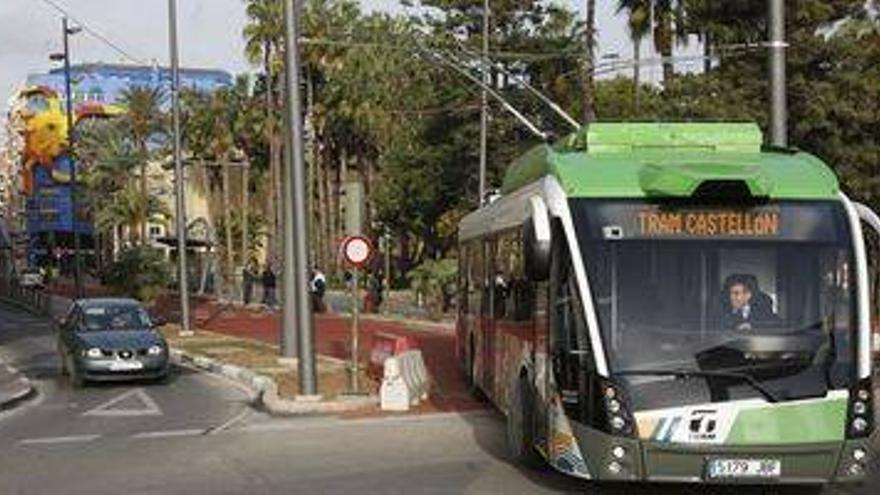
357	250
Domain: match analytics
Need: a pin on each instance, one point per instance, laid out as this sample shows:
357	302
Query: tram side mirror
537	241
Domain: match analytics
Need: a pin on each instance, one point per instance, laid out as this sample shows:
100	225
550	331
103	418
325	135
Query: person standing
269	284
248	277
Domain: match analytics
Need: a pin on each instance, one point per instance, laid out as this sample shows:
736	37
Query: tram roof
625	160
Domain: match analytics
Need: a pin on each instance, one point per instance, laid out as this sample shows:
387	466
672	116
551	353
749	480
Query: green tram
673	302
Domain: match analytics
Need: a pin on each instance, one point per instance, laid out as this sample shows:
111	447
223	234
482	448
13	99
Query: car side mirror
537	241
158	321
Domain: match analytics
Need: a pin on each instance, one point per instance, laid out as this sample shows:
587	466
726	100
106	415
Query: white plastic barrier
404	382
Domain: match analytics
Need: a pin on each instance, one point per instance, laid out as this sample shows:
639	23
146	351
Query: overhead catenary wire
464	72
94	33
486	63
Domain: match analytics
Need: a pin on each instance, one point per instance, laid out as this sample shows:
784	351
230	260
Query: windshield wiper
684	373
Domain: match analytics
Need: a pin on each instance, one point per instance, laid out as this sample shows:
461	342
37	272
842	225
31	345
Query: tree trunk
145	217
589	108
707	52
228	278
245	214
637	75
663	39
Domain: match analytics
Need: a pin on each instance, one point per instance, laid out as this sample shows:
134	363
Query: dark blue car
111	339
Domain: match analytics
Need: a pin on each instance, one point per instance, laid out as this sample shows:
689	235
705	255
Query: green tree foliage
140	272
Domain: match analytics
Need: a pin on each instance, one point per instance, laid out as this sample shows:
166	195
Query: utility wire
85	27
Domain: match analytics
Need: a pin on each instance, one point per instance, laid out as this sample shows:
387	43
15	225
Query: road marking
55	440
169	434
107	409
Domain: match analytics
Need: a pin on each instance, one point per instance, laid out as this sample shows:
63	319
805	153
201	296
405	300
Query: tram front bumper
837	462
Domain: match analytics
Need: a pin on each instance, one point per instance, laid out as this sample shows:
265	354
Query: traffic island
14	387
274	382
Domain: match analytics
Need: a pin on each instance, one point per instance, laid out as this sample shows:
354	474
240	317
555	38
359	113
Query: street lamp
66	32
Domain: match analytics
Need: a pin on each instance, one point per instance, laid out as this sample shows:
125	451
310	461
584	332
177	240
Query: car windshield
731	295
120	317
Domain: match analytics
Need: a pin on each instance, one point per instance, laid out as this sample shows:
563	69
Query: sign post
357	251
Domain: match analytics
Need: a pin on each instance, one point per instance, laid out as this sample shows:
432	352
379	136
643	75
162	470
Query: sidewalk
332	337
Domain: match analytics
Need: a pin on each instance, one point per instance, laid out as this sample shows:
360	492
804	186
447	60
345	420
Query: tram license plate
744	468
126	366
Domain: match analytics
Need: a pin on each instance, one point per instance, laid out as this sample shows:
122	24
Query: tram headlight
860	414
859	408
859	455
613	413
613	406
618	452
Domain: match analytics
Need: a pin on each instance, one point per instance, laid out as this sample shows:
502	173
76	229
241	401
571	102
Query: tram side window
475	277
513	293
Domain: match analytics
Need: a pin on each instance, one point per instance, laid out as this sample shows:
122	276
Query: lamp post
179	177
66	32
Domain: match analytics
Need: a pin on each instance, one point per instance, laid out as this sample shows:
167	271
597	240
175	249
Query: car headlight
154	350
94	353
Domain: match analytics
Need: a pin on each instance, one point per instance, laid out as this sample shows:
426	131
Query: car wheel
165	378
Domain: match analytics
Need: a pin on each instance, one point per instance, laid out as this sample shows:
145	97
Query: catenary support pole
779	107
179	178
297	307
484	108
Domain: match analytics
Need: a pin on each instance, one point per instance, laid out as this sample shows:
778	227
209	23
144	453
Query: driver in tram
746	306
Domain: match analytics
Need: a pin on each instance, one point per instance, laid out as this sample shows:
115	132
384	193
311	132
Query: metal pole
779	110
484	107
355	323
77	266
179	178
296	294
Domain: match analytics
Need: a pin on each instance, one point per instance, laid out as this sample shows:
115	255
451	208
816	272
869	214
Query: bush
140	272
435	281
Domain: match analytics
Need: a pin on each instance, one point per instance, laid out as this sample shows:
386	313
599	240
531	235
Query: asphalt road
197	435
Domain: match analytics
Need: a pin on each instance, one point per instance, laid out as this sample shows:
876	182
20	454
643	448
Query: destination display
653	222
778	222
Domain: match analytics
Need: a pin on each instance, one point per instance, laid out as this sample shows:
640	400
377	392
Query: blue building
104	83
51	221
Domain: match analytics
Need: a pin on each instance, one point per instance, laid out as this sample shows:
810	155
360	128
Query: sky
209	32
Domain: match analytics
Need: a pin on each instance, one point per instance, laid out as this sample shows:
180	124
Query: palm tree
639	23
589	111
144	120
129	207
264	39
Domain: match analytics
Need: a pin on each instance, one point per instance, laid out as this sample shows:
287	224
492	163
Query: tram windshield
744	301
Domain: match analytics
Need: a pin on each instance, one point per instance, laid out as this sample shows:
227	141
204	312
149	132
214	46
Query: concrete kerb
265	389
14	387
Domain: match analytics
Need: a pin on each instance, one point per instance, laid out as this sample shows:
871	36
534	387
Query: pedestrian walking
269	284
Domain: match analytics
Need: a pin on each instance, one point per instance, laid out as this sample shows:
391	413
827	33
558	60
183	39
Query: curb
23	306
23	390
265	389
